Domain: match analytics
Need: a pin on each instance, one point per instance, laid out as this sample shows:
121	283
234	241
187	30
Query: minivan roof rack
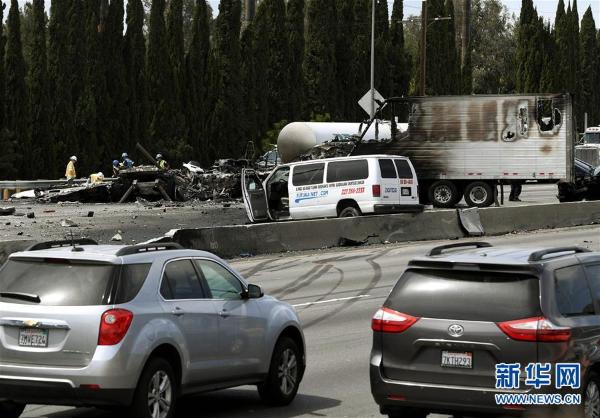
439	250
558	251
64	243
144	248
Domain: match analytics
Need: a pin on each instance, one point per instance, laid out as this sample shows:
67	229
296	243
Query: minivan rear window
466	295
308	174
347	171
57	282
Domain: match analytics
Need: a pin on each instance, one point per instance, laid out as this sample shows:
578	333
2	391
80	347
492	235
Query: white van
333	187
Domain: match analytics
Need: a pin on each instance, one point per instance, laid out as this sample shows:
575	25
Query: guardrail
8	186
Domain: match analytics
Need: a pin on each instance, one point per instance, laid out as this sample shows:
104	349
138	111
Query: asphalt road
335	292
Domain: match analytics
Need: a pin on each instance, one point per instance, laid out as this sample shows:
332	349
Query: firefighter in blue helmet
126	161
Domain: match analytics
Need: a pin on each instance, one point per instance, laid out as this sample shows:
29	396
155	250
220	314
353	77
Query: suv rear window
466	295
347	170
131	280
57	282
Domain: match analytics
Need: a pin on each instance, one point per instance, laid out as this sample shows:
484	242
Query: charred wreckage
151	183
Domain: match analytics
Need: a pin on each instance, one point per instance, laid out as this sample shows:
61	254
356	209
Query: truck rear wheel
444	194
479	194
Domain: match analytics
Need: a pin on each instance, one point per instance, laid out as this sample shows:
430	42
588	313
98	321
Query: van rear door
390	188
255	196
407	180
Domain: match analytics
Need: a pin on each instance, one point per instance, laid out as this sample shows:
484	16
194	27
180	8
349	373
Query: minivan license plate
33	337
459	360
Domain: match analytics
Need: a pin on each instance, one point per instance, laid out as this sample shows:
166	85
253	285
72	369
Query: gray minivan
459	312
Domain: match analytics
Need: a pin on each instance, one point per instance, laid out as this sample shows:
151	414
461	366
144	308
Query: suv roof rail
143	248
539	255
439	250
64	243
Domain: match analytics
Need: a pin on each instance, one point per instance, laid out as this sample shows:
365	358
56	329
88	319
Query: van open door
255	196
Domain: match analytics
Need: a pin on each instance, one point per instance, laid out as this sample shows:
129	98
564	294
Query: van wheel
349	212
444	194
9	409
479	194
156	393
283	380
591	397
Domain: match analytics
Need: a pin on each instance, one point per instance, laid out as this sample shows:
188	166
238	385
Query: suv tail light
113	326
537	329
376	190
391	321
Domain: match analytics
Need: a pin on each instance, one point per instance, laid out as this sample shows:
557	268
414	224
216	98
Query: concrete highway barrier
276	237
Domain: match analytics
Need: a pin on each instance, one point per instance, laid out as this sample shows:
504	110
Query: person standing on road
126	161
70	172
516	187
161	162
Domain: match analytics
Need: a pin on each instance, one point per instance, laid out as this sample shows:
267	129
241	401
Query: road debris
68	223
5	211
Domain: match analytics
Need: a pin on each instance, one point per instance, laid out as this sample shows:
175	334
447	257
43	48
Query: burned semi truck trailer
464	146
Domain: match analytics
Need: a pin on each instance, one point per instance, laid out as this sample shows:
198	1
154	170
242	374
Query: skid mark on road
329	293
320	302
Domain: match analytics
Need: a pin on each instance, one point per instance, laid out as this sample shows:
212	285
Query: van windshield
466	295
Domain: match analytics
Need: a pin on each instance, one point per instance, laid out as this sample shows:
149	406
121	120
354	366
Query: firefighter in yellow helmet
70	172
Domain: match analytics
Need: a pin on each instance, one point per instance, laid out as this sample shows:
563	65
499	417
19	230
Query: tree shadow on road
227	403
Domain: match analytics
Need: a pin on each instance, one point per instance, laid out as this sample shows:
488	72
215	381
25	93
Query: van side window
347	170
387	169
573	294
307	174
404	171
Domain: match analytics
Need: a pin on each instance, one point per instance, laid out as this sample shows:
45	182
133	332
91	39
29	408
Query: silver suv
137	326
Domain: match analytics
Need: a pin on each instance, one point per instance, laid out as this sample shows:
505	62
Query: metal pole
373	60
423	46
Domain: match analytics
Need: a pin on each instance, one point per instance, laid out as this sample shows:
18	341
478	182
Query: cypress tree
92	99
319	63
573	76
451	74
135	64
161	82
17	103
225	81
270	23
382	46
549	80
38	89
76	41
344	61
117	123
8	165
589	67
560	37
177	56
361	53
59	71
437	50
197	80
400	60
529	53
249	79
295	29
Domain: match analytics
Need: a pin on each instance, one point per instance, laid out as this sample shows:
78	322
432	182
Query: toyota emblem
456	330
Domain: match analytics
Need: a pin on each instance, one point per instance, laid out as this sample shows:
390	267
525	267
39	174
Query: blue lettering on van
310	195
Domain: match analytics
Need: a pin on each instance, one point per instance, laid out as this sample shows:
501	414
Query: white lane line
330	301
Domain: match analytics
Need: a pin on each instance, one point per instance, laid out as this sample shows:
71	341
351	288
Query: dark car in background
458	312
585	186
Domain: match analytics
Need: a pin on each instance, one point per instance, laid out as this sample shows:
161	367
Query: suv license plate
459	360
33	337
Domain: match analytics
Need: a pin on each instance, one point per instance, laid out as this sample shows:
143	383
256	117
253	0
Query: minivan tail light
376	190
114	324
537	329
391	321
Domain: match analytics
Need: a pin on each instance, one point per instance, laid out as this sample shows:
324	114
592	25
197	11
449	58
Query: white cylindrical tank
297	138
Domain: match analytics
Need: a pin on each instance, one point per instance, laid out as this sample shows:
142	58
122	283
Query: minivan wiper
23	296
